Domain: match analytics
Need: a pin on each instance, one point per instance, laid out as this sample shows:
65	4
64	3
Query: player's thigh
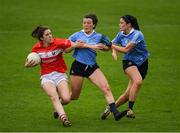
76	83
63	89
49	88
133	74
99	79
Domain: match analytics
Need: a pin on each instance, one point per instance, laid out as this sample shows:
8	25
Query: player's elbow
68	50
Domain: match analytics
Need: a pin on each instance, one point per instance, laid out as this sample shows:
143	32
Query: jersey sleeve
138	37
117	39
63	43
73	37
105	40
35	47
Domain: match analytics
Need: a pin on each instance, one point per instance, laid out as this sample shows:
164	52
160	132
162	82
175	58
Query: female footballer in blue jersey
85	66
135	61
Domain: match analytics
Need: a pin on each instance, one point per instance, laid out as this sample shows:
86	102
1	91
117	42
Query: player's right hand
30	63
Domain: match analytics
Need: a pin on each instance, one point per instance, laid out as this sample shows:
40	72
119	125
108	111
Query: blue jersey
139	53
85	55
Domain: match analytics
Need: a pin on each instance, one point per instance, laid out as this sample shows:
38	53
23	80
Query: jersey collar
132	30
88	34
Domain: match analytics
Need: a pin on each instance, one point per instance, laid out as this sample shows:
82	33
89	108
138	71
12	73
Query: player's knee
138	82
66	100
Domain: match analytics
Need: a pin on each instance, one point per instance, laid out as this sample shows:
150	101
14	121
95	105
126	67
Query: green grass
25	107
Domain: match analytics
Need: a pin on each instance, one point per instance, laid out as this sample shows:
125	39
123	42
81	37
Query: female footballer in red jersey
53	68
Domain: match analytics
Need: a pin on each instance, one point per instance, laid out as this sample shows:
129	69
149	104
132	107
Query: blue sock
113	108
131	104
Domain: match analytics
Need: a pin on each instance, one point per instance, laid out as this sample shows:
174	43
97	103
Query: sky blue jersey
85	55
139	53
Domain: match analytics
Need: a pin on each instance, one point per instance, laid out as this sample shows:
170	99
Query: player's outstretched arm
74	45
126	49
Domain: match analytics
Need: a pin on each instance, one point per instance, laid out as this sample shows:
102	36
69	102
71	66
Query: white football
35	57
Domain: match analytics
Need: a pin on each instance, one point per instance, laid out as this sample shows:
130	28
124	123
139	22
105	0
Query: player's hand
114	56
80	44
30	63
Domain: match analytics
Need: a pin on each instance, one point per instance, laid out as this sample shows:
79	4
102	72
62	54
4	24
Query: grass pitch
25	108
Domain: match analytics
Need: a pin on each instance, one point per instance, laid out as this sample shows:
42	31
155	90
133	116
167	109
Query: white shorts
54	77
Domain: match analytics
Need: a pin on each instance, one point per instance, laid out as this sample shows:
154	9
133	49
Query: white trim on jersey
88	34
50	53
132	30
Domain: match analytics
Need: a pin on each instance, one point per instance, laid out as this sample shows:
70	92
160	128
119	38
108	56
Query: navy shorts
143	68
81	69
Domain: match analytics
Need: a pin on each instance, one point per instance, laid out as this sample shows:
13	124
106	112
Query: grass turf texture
24	106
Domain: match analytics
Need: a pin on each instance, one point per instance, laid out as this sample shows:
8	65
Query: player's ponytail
132	20
38	32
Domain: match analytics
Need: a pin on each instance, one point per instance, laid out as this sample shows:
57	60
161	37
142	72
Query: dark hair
38	32
132	20
93	17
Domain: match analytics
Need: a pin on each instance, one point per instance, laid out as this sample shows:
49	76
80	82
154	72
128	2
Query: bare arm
96	47
104	47
114	54
80	44
73	46
126	49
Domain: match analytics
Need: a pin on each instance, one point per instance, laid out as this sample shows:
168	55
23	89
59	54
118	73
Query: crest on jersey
129	63
54	52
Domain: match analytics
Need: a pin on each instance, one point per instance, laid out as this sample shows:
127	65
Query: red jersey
51	56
